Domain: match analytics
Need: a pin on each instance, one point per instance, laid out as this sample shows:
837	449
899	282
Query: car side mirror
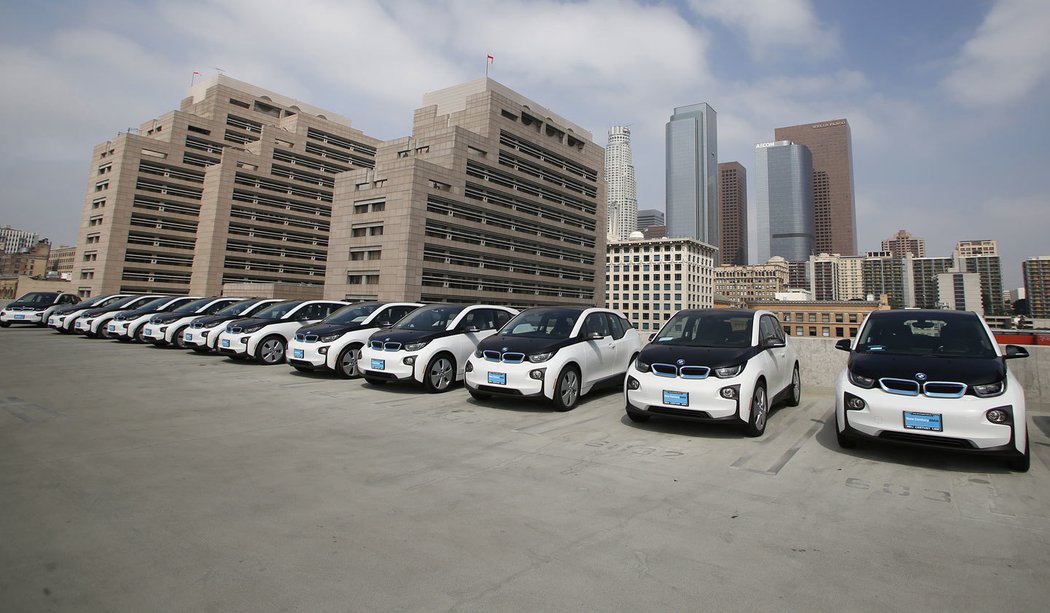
843	344
652	337
1015	351
595	336
772	342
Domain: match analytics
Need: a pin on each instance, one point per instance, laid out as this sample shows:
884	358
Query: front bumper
308	355
117	329
389	365
21	317
507	379
231	344
202	337
155	333
690	399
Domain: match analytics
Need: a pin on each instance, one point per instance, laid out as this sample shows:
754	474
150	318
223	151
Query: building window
838	332
825	331
812	330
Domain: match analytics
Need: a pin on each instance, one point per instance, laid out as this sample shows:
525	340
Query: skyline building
650	217
692	174
982	257
493	198
1036	271
742	284
782	218
235	186
622	193
13	240
732	214
903	243
834	208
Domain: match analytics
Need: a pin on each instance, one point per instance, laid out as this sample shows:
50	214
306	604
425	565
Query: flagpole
488	62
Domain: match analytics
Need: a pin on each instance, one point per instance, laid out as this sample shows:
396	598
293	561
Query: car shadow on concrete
695	429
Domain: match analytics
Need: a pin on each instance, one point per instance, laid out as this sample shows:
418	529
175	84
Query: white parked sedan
169	328
935	379
715	365
558	353
202	335
265	335
63	319
130	325
335	342
431	345
94	323
35	308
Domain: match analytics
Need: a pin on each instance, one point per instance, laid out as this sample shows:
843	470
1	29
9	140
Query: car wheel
1021	463
567	391
347	364
271	350
179	338
139	337
440	374
756	420
479	395
374	380
795	397
637	416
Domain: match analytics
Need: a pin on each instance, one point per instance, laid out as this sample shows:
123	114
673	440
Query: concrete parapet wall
821	364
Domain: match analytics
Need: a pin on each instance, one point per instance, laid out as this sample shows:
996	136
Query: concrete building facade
834	208
960	291
692	174
650	217
493	199
236	186
13	240
649	280
732	214
743	284
783	206
902	243
982	257
60	261
622	192
1036	273
821	318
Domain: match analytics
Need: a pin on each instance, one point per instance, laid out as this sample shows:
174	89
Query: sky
948	100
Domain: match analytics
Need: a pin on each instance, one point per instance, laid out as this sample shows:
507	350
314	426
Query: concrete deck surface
141	479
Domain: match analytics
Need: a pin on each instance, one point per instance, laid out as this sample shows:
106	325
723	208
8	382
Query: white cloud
772	26
1008	57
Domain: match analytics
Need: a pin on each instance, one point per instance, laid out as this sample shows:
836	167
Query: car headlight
204	334
415	346
540	357
479	353
860	380
331	338
641	366
989	389
728	371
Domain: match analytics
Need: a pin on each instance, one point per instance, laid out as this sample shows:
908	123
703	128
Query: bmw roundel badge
680	361
920	376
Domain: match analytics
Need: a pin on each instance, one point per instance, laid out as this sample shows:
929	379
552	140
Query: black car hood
528	346
395	335
66	309
322	329
712	357
214	320
100	310
28	307
136	313
971	371
256	321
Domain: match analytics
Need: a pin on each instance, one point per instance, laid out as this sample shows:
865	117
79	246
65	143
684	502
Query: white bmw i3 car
265	335
130	325
335	342
715	365
35	308
557	353
94	323
934	379
166	329
202	335
63	319
431	345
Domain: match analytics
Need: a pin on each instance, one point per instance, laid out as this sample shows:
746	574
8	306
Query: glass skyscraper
692	174
783	210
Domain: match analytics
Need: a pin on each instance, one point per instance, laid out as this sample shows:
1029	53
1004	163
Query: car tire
759	411
845	441
374	380
476	395
440	373
347	365
139	337
178	339
795	395
1021	463
567	390
637	417
271	350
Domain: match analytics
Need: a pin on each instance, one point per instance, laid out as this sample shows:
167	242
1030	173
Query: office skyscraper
692	174
622	195
903	243
732	214
783	208
835	219
650	217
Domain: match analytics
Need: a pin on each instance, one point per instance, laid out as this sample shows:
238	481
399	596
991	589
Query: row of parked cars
929	378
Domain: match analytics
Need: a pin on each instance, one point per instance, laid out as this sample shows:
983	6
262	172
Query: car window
394	314
550	323
502	317
948	335
481	319
436	317
766	328
596	322
710	328
616	325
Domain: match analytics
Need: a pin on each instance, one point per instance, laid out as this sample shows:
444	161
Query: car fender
554	368
354	336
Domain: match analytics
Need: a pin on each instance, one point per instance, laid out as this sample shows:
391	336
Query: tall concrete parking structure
692	174
493	199
834	209
622	192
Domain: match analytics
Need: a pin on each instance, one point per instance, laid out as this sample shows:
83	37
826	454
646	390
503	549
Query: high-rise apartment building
235	186
902	243
13	240
923	290
622	194
783	206
493	198
650	217
960	291
982	257
743	284
648	280
834	210
1037	285
692	174
732	214
885	274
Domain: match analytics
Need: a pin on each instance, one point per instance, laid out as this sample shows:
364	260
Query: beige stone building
234	187
648	280
824	318
741	284
493	198
60	261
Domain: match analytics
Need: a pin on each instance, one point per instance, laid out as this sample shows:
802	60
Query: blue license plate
678	399
498	378
297	353
225	342
20	316
147	332
189	336
112	328
378	364
923	421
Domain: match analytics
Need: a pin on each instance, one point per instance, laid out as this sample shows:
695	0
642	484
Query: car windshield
123	302
542	323
430	318
949	335
237	307
278	310
153	305
37	298
707	329
96	301
192	307
352	314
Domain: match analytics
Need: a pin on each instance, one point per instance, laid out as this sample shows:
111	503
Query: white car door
599	354
780	370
